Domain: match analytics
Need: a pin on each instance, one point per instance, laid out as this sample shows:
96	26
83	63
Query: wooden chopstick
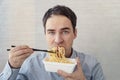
42	50
50	51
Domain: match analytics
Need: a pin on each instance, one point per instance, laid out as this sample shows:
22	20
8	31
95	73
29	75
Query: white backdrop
98	28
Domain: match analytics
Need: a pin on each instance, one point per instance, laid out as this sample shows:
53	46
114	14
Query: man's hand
76	75
18	54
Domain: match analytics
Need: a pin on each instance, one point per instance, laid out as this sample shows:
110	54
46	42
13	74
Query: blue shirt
33	69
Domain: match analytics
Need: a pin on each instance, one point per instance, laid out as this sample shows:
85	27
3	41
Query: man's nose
58	39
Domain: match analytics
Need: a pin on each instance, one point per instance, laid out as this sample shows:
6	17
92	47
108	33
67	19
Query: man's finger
63	74
14	49
78	63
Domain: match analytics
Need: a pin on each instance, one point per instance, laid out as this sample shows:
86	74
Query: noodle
58	56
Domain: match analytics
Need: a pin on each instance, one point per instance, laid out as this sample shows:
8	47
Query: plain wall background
98	27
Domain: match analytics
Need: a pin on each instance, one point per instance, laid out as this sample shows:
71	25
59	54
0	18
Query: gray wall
98	28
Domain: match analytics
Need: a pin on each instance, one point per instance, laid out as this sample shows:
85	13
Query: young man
60	30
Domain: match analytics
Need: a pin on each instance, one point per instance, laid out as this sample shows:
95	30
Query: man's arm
8	73
97	73
17	55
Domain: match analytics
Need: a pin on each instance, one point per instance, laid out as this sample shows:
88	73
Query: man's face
59	32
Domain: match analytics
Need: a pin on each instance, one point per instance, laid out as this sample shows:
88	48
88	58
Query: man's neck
70	53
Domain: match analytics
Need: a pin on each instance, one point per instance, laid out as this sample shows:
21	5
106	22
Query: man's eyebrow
50	30
66	28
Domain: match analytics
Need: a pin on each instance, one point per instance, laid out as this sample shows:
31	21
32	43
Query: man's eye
65	32
51	33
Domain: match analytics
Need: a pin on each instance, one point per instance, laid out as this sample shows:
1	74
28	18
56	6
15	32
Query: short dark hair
60	10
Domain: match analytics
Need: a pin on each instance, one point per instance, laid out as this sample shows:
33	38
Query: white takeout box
55	66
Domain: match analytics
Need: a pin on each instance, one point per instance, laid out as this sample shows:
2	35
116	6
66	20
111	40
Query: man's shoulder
86	58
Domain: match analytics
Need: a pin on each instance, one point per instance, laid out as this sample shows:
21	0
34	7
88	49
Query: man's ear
75	33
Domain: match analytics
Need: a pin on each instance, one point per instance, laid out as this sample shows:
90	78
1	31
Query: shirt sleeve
8	73
97	73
